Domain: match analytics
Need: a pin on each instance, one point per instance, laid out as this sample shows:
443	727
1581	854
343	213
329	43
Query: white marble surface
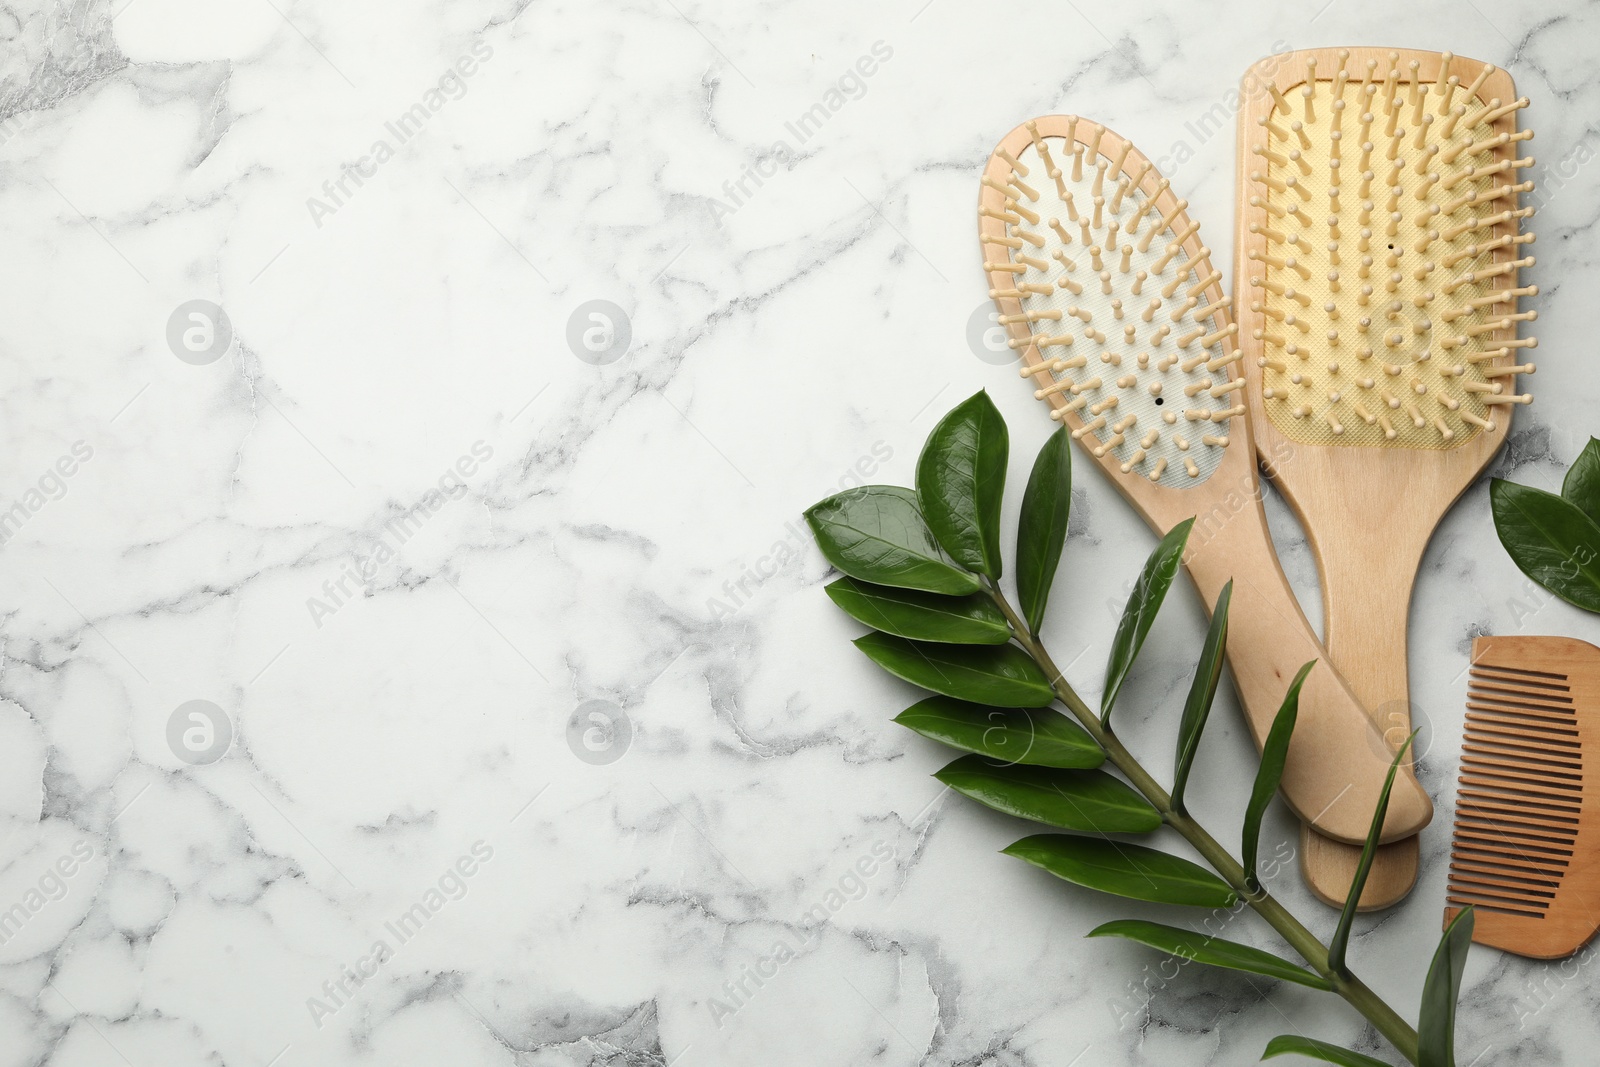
400	696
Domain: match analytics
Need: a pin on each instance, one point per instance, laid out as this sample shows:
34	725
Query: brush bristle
1101	293
1521	789
1385	245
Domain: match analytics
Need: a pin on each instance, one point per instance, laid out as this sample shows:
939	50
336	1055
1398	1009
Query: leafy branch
923	570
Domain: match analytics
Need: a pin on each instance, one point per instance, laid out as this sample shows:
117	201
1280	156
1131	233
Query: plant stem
1387	1021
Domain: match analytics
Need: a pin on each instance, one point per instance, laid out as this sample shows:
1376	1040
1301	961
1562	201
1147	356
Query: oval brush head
1128	331
1383	296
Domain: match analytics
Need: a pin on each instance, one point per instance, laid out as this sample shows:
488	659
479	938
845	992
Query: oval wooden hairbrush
1378	247
1111	301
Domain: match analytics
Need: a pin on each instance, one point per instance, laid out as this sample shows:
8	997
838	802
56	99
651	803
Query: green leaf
1318	1050
1148	593
875	533
1038	737
1071	800
1550	539
1341	933
1203	948
1582	484
1125	870
968	620
961	476
1042	526
1274	753
1000	675
1207	673
1436	1021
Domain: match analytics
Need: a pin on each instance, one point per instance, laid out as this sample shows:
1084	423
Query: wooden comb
1378	247
1526	848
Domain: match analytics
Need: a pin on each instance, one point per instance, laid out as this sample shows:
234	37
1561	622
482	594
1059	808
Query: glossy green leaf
1071	800
1550	539
968	620
1042	526
1140	612
1202	691
999	675
1125	870
1213	951
1436	1021
1340	944
1318	1050
1038	737
1274	753
877	534
1582	484
961	476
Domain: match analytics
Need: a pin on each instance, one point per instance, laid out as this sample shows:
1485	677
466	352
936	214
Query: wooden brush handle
1367	578
1338	758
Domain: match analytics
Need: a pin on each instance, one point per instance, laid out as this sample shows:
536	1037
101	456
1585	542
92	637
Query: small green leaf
875	533
961	476
1042	526
1072	800
1341	933
1202	691
1000	675
1274	753
1148	593
1203	948
1318	1050
1037	737
1582	484
968	620
1436	1021
1550	539
1125	870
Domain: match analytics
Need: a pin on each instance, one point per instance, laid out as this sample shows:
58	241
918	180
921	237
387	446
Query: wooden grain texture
1367	511
1338	759
1528	858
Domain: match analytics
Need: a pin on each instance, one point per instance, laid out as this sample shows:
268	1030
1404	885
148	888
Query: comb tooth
1500	874
1548	757
1512	704
1510	739
1551	679
1490	795
1521	775
1513	846
1551	829
1492	906
1549	691
1517	862
1545	701
1471	882
1526	864
1501	892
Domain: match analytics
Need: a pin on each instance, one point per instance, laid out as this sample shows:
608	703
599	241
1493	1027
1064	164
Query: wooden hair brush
1118	315
1526	848
1379	245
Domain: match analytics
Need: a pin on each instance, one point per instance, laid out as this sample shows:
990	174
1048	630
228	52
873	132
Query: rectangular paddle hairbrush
1526	848
1110	299
1378	247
